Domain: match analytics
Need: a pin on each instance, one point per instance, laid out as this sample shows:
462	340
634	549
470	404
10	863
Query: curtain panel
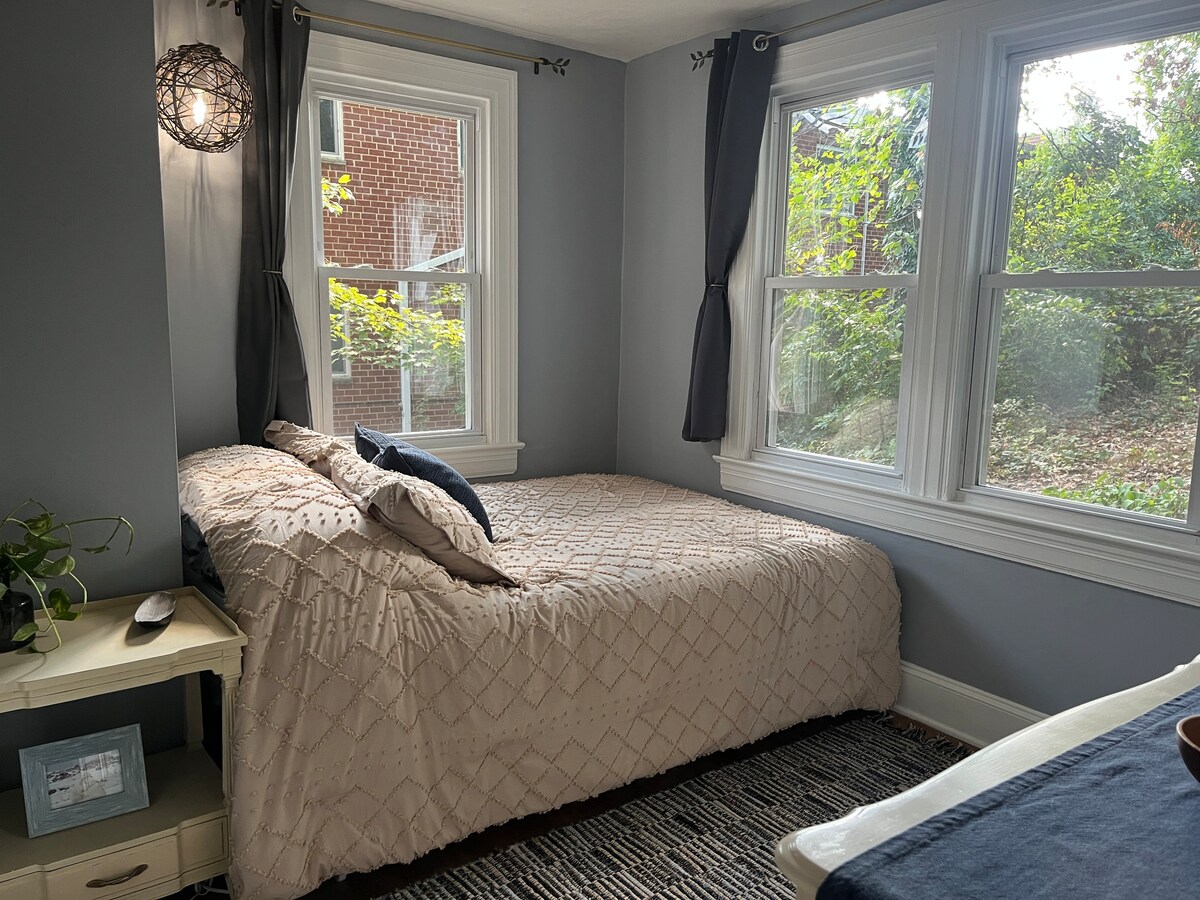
739	88
272	382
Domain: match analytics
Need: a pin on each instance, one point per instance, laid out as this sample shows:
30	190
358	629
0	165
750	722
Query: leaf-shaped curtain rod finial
699	56
557	66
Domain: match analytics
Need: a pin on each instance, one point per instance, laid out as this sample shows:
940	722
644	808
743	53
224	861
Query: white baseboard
957	709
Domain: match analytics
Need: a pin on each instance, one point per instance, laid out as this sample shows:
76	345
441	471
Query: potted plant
39	553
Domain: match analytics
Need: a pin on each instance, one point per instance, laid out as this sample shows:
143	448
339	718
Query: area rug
711	837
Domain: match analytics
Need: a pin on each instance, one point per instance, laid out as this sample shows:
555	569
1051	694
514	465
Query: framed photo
83	779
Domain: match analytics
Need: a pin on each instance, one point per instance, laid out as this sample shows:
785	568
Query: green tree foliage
865	180
1103	190
853	207
333	193
1108	192
380	328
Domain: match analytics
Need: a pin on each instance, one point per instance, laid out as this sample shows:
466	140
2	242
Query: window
339	365
1093	301
968	302
407	298
330	120
847	233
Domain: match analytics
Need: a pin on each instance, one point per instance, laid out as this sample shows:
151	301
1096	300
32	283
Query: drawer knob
120	879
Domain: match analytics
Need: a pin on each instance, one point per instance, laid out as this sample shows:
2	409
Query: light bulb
199	110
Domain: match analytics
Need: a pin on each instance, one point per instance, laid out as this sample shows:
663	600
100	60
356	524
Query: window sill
1145	558
478	460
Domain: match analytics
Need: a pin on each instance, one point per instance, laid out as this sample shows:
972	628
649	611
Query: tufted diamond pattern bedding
387	708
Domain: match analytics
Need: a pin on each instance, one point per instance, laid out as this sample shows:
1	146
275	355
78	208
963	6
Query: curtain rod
760	42
558	66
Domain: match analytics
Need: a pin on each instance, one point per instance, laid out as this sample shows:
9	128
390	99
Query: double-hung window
1089	326
846	232
968	304
402	253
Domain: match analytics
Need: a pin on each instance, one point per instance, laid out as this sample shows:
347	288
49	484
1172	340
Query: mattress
808	855
388	708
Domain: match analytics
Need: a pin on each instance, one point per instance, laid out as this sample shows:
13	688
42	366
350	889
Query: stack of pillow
395	455
409	491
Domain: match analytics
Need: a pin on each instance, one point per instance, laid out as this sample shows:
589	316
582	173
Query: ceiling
621	29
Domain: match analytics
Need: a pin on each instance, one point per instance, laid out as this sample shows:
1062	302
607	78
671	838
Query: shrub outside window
1094	310
849	225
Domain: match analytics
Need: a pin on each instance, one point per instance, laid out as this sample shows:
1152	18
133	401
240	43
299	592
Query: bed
388	708
809	855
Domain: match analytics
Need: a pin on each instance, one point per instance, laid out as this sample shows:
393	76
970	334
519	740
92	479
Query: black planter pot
16	609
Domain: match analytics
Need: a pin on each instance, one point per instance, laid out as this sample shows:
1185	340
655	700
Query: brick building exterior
407	179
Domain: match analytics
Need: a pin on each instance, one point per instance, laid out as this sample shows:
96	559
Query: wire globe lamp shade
204	100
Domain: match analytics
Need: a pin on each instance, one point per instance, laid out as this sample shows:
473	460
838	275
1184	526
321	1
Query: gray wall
1038	638
84	347
570	149
89	423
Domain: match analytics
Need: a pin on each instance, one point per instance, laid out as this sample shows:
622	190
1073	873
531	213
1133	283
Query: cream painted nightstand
183	836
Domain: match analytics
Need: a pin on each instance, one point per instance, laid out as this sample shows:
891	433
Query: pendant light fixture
204	100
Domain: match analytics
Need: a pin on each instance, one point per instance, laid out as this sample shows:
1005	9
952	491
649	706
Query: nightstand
183	836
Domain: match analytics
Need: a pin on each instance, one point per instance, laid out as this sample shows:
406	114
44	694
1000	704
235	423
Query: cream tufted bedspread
388	709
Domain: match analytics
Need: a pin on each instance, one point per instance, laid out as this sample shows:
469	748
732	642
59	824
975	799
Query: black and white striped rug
710	838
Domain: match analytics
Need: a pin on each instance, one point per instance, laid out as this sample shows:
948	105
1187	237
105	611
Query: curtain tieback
718	284
272	272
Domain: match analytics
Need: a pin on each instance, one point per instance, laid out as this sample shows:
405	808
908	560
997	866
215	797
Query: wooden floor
367	885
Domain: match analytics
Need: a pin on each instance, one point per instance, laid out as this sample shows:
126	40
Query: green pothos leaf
59	603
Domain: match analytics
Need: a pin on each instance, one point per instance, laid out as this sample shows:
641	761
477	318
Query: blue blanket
1117	817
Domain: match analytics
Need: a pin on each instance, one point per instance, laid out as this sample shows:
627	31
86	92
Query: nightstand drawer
117	874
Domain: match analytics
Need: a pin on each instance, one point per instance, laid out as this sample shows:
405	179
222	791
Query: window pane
338	365
331	126
1108	159
407	346
856	173
835	372
397	201
1096	396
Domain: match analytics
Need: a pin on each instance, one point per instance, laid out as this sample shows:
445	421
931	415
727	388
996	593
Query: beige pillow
308	446
421	513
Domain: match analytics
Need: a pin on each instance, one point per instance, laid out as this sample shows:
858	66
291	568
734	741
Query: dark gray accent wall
1038	638
89	426
570	152
85	363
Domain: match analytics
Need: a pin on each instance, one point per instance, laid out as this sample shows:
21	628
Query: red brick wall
408	188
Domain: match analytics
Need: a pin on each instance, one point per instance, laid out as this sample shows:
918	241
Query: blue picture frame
83	779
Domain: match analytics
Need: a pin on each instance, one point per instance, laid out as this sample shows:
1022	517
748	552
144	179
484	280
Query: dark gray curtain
271	379
739	87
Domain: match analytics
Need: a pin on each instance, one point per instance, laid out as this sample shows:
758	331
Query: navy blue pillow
396	455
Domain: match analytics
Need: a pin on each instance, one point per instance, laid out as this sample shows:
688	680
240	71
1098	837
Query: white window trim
372	71
965	44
